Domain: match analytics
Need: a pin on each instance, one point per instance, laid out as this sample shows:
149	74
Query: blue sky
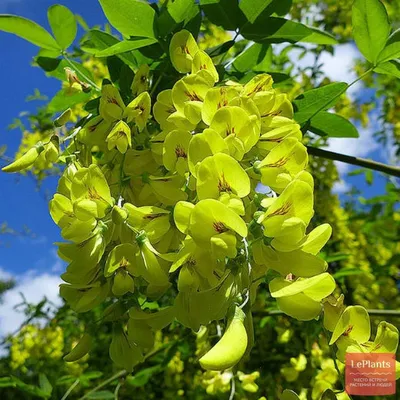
28	259
21	203
31	262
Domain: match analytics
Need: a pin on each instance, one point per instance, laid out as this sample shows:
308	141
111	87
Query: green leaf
101	394
348	272
114	65
369	176
127	45
257	57
143	376
63	24
289	395
335	257
392	48
319	37
311	102
356	172
174	14
329	395
253	8
280	7
279	77
99	40
63	100
263	9
86	377
130	17
275	29
7	382
220	49
92	106
14	382
371	27
48	64
44	384
225	13
48	53
182	10
389	68
193	25
332	125
125	80
82	22
243	78
28	30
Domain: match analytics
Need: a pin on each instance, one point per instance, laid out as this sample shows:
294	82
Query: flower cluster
189	202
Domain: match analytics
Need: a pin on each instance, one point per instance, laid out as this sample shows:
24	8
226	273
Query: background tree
362	254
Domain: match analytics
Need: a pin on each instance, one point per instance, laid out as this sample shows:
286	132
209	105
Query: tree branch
361	162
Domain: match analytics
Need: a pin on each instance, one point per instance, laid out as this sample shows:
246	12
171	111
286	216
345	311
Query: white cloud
389	155
59	265
5	275
357	147
341	187
339	67
34	287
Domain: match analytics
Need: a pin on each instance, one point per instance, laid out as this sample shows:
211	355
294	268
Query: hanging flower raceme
164	198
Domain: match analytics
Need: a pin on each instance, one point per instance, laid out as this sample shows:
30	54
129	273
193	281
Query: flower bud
63	118
72	78
119	215
26	160
51	149
120	137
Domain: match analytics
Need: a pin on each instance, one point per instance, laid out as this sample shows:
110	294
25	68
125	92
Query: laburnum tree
185	191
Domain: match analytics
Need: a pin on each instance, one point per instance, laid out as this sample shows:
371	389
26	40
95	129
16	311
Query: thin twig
123	372
156	83
384	313
116	391
233	388
121	175
341	378
361	162
334	358
72	135
70	389
104	383
233	39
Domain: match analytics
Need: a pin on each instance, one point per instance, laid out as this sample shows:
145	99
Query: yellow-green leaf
371	27
126	45
63	24
130	17
28	30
